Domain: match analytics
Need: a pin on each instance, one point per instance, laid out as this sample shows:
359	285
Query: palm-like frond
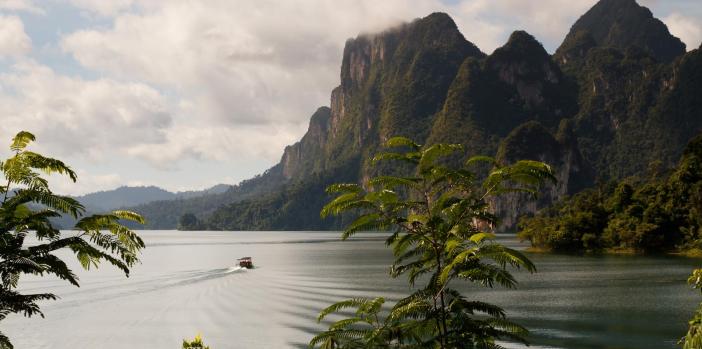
412	158
21	140
98	238
434	152
393	181
48	165
523	176
64	204
5	342
478	159
359	303
402	142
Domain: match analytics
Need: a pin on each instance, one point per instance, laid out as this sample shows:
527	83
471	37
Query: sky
186	94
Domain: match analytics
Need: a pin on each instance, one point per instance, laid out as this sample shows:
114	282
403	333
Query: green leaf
392	181
436	151
21	140
481	159
401	142
367	222
129	215
48	165
480	237
412	157
344	188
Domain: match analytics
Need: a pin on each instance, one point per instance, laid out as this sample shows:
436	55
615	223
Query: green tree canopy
652	215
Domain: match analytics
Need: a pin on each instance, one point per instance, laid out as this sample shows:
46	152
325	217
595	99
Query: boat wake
234	270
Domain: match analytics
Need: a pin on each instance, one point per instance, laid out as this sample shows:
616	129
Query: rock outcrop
306	156
532	141
621	24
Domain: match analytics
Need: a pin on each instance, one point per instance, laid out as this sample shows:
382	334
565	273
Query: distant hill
125	196
165	214
122	197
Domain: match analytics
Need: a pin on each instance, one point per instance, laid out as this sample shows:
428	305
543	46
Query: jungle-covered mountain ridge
618	97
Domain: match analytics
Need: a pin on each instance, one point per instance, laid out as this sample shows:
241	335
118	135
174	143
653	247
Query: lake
188	284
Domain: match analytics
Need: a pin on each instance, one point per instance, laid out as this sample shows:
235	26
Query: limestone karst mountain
618	95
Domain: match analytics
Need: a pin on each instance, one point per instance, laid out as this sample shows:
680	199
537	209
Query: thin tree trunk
443	305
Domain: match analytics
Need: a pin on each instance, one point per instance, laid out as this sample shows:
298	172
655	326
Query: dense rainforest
659	212
617	96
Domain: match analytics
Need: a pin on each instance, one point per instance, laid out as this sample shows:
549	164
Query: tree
26	209
693	339
189	221
440	220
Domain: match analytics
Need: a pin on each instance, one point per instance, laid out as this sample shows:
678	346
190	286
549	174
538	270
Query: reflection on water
189	283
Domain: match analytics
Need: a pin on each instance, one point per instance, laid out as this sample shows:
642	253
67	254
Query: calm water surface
188	284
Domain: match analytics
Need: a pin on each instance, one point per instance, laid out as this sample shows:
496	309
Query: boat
245	262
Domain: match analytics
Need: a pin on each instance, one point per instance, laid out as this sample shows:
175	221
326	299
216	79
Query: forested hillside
654	212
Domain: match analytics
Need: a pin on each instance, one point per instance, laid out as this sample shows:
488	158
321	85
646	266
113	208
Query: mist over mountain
616	98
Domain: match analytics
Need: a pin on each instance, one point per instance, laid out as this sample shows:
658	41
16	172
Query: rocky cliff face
488	98
533	141
391	83
306	156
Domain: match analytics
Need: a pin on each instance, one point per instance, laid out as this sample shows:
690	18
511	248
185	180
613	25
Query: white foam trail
234	269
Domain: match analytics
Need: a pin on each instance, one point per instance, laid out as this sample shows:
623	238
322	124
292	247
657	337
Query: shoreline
694	253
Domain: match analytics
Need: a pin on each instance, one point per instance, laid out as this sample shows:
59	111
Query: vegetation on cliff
659	213
622	24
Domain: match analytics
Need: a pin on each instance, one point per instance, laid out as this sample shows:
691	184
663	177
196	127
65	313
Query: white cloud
14	42
103	7
104	120
20	5
216	143
488	23
688	29
77	117
241	62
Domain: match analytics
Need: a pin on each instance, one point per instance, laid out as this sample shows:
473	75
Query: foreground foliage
693	339
659	214
440	220
196	343
25	212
